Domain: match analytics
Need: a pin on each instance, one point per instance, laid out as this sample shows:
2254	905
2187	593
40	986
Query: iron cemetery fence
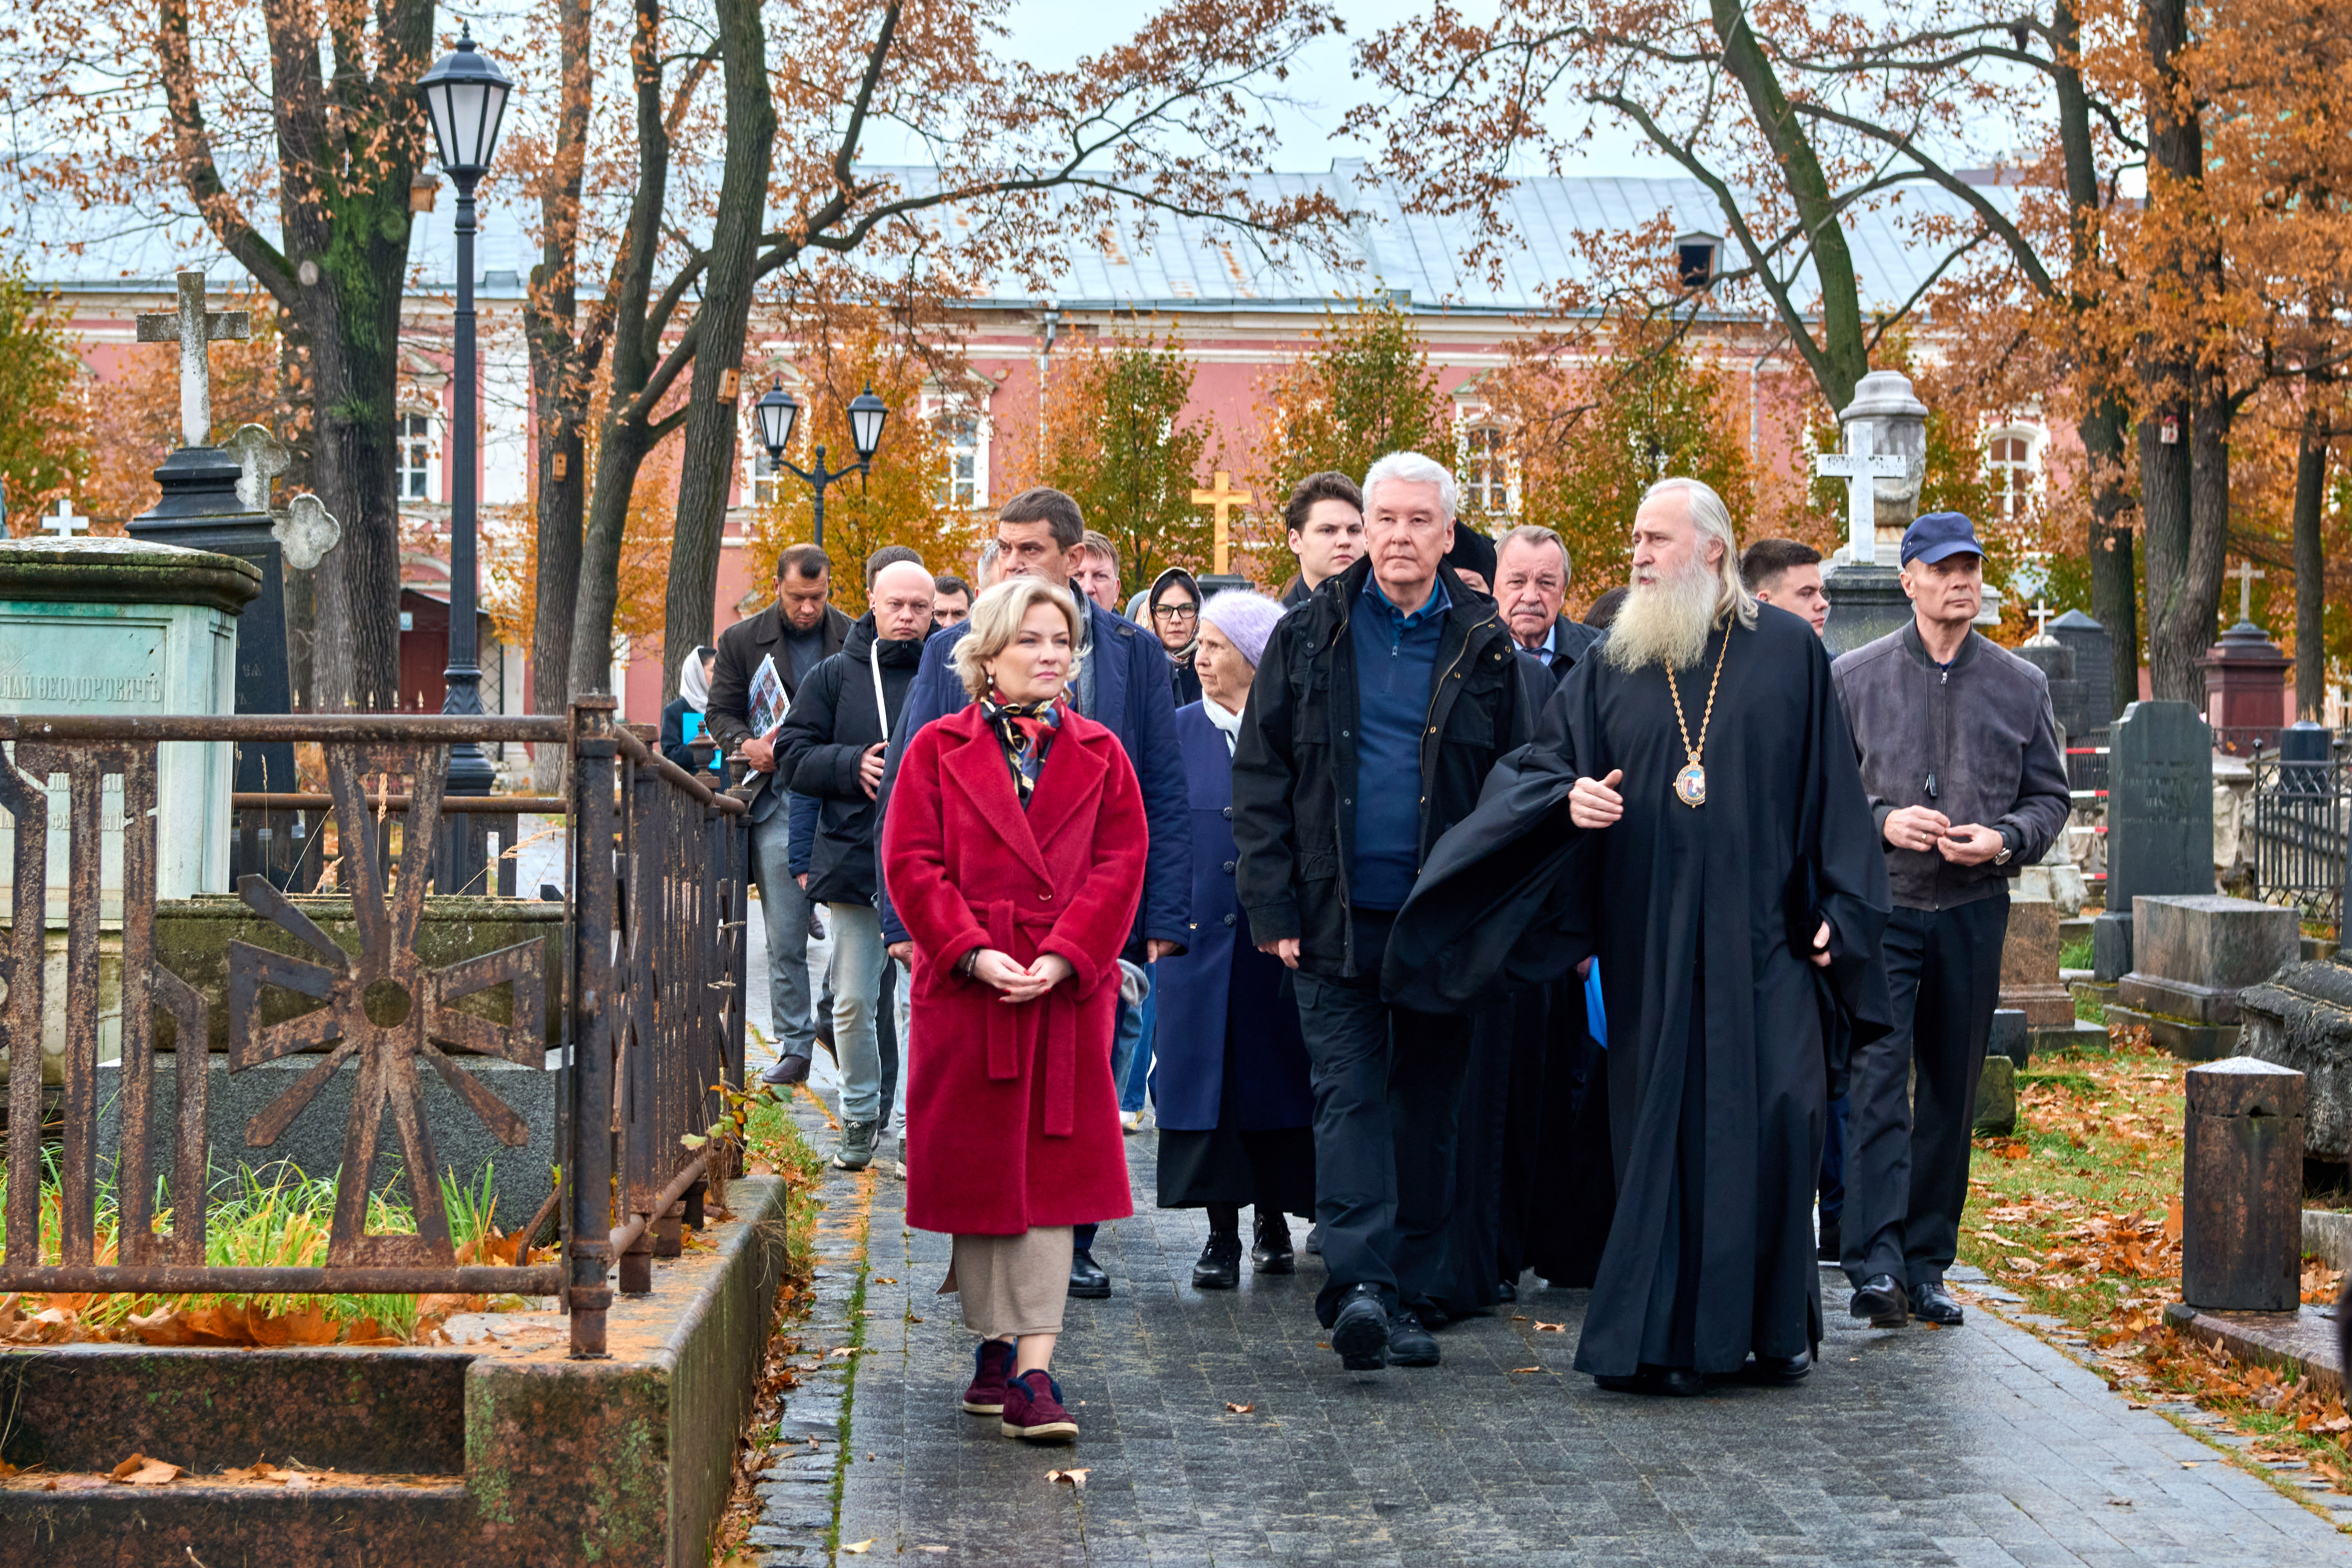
655	939
2301	811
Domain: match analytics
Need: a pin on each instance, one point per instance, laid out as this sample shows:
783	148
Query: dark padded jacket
1975	742
741	647
1294	780
832	722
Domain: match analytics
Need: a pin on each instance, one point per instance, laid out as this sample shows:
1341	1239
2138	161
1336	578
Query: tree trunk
1844	357
621	451
2190	633
2310	563
2172	385
559	376
2115	581
713	425
354	332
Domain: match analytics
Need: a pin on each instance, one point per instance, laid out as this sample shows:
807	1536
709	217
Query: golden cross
1225	498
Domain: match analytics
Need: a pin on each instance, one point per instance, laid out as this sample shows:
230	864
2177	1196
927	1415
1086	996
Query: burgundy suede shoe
1033	1410
991	1364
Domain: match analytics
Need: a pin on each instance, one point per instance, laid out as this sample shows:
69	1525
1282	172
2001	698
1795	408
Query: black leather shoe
1625	1382
1828	1251
1931	1303
786	1071
1508	1291
1779	1371
1220	1267
1410	1344
1882	1301
1313	1246
1272	1253
1360	1331
1681	1383
1088	1281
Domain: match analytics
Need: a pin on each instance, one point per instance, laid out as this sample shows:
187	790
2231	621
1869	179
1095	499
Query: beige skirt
1012	1284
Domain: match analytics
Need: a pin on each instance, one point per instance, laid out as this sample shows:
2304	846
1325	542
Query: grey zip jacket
1974	740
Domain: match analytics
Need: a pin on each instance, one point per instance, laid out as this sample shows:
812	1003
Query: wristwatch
2001	856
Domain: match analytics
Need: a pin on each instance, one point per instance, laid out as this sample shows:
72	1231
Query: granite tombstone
2160	820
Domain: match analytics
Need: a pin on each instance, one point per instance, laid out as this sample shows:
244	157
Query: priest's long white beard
1666	622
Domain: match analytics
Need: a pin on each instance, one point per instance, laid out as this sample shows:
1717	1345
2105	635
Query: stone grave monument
2085	706
2193	956
219	497
2242	1188
1885	434
2029	974
118	628
2160	820
2301	1018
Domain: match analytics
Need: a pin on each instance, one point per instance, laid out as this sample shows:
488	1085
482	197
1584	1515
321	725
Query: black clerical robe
1700	918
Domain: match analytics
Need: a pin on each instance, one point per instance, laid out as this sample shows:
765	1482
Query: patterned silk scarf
1025	731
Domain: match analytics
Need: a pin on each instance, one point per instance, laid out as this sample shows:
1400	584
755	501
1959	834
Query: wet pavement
1975	1447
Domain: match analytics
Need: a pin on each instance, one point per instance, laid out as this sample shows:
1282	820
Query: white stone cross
262	456
306	532
194	329
2247	574
1861	474
2040	614
63	522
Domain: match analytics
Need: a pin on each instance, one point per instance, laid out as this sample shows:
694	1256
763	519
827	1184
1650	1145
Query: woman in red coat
1013	849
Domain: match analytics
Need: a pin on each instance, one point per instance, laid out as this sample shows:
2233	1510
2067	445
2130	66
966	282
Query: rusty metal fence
2299	834
655	939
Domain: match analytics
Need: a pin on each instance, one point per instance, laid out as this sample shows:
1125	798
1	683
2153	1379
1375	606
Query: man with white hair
1692	817
1380	704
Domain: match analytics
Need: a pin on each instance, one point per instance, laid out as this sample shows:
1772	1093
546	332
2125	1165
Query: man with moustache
1691	814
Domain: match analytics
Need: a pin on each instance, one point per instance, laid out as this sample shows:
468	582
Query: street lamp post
779	410
465	97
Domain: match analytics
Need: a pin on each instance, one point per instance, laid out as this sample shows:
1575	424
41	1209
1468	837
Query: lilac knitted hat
1246	619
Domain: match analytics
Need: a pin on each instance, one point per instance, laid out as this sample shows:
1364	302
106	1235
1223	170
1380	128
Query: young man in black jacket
1380	704
1959	757
799	631
831	747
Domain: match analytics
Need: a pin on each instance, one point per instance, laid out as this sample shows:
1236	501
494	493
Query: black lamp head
867	413
465	96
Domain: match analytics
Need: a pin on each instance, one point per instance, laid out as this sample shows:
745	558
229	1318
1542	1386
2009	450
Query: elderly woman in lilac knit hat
1236	1109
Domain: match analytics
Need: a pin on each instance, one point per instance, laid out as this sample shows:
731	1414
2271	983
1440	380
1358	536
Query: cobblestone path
1978	1447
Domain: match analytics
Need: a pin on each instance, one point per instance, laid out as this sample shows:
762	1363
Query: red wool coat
1012	1121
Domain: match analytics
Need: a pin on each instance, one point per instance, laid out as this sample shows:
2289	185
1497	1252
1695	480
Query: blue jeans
785	909
858	965
1138	1075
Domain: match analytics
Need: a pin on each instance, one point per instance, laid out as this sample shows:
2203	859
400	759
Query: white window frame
433	458
1470	420
2014	502
936	408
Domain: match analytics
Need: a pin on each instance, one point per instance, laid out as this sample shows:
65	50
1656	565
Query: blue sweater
1396	659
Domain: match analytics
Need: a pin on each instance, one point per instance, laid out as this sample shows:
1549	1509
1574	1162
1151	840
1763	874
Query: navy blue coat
1222	976
1132	700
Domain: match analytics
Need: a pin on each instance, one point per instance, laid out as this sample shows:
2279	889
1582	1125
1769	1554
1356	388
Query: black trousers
1907	1171
1388	1100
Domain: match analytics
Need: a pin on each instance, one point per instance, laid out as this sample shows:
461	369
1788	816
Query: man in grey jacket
1959	757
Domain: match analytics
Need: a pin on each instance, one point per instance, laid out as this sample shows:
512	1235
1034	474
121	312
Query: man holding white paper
761	662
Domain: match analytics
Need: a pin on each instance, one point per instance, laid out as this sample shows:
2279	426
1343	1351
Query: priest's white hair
1415	469
1713	520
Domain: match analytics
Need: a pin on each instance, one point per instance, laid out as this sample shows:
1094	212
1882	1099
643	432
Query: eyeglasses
1176	613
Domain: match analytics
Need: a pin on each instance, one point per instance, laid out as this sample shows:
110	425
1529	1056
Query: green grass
2075	954
275	1216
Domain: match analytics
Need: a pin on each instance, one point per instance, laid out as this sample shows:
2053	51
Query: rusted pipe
537	805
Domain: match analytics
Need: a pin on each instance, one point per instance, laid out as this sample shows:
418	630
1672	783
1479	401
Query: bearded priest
1691	817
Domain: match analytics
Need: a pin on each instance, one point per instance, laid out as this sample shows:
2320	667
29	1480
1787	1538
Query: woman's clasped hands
1019	982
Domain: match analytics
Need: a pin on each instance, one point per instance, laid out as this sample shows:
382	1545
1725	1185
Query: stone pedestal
117	628
1996	1113
2011	1038
2301	1018
200	508
1866	598
2242	1188
1866	601
2245	685
2194	956
2028	966
2159	819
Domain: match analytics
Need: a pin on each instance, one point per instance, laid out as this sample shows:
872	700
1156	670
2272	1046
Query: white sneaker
1130	1120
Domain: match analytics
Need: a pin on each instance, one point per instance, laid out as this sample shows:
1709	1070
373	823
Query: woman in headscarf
1236	1111
1013	849
678	731
1174	609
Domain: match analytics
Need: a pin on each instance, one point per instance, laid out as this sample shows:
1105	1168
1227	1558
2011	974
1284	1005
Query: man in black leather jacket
1959	757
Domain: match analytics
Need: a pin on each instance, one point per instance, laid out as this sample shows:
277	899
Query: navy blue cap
1937	534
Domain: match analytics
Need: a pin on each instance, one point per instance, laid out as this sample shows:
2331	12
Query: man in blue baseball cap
1959	757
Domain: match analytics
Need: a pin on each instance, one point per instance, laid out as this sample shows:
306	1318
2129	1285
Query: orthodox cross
1225	498
1861	474
64	523
260	459
2248	574
194	329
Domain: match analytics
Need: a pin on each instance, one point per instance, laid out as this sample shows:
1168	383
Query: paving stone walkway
1976	1447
